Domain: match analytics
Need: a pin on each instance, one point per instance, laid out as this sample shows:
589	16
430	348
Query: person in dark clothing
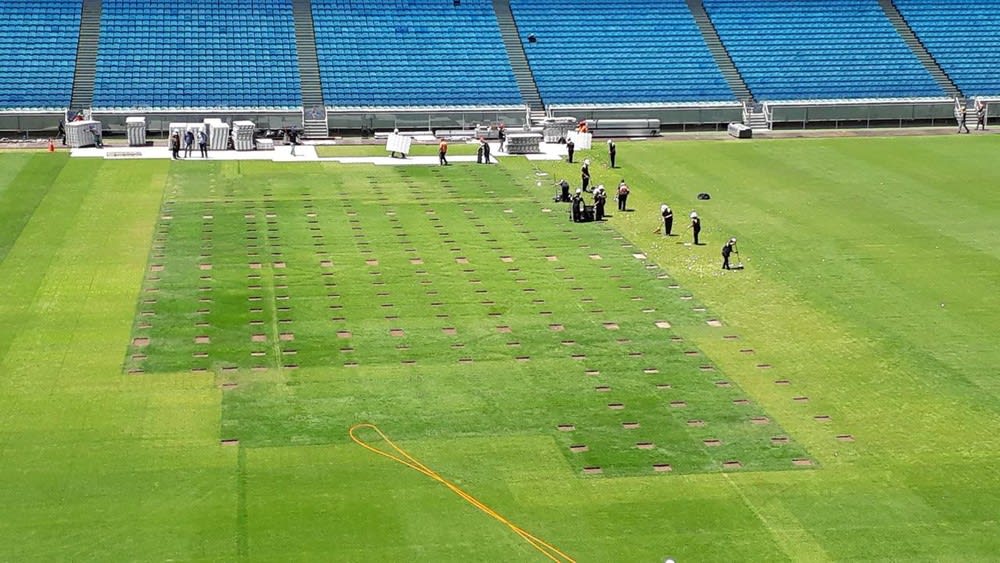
695	226
61	132
502	135
98	142
188	143
486	152
203	143
980	115
600	198
175	146
612	152
623	192
961	119
727	250
668	219
576	212
479	152
585	175
570	147
564	195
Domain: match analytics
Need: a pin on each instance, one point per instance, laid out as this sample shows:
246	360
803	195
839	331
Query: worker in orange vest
443	153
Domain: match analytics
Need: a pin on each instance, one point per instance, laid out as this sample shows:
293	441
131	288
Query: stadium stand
412	53
211	54
817	49
964	38
37	53
604	51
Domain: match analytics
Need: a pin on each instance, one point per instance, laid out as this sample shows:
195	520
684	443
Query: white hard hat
663	208
732	239
579	190
694	214
587	162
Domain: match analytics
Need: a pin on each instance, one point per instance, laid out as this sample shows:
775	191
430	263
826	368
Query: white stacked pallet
523	143
555	129
135	127
81	133
218	134
242	133
182	128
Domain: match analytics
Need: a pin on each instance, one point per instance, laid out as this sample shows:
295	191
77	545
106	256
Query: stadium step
314	119
722	59
515	52
315	128
757	120
86	55
925	58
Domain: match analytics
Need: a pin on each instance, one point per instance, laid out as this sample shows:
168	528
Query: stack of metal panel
218	134
135	127
243	132
182	128
81	133
555	129
523	143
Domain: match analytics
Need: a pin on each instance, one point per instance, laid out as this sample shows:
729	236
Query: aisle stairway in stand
719	53
314	120
86	56
518	60
925	58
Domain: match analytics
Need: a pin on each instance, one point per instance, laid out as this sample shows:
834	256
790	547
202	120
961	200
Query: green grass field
184	346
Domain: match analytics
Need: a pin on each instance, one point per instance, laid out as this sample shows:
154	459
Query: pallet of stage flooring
135	128
523	143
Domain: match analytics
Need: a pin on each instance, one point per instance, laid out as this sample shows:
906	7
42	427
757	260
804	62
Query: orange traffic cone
52	146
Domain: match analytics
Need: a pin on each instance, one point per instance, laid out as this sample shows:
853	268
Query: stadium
338	334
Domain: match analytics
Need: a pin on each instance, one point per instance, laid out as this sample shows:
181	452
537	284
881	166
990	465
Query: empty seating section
204	54
412	53
606	51
38	53
818	49
964	38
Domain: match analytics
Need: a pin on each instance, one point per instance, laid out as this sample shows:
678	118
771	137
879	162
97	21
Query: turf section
870	289
511	320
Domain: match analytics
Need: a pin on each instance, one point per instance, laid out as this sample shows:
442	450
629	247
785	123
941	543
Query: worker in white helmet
695	226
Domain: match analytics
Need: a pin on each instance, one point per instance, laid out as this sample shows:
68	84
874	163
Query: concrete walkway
305	153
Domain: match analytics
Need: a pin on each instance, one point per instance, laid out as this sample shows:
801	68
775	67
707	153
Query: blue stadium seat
38	53
604	51
964	38
412	53
817	49
212	54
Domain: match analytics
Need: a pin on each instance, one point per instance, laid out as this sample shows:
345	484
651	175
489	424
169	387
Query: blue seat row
161	53
813	49
604	51
444	54
962	37
38	53
242	53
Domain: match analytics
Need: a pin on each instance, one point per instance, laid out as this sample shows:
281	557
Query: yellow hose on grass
406	459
